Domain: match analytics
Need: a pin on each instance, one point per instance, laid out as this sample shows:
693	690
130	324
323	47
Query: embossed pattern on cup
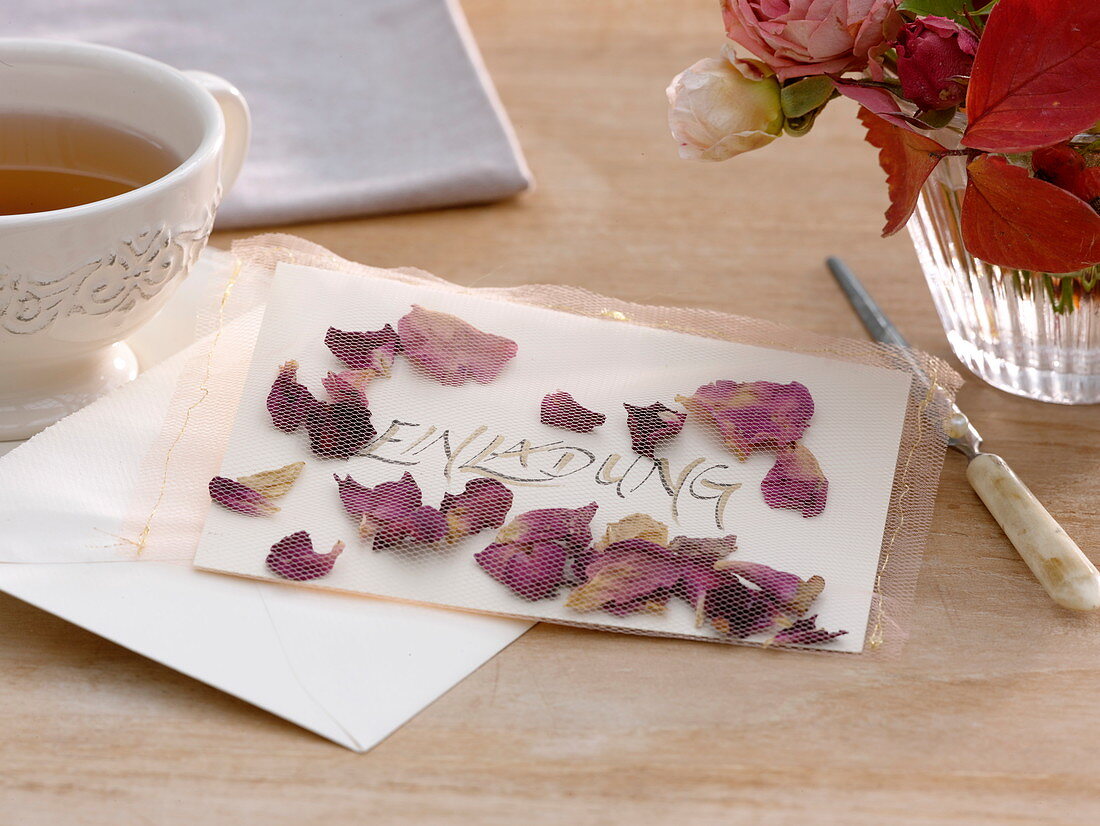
74	283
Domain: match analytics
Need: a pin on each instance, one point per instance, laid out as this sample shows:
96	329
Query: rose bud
934	59
723	106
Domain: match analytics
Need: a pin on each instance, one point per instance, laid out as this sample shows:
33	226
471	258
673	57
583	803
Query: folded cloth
359	107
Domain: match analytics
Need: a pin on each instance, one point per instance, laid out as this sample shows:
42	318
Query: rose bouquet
988	109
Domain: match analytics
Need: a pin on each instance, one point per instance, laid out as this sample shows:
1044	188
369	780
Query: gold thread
204	393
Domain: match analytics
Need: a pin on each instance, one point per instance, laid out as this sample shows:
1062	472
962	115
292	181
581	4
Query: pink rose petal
451	351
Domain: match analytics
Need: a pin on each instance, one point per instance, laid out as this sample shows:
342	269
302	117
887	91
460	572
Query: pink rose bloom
797	38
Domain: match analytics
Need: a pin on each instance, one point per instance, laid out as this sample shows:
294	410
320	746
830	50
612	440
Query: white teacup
75	282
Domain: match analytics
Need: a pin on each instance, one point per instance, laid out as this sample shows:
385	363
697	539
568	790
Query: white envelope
64	494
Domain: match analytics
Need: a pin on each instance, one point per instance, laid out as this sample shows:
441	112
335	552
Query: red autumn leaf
1013	220
1036	77
907	159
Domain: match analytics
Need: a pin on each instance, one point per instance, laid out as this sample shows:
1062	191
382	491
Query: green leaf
940	8
805	95
954	9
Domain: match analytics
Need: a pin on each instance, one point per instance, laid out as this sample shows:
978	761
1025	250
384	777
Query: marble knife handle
1059	565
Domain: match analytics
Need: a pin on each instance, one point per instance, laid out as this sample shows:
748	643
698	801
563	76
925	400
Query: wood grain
988	717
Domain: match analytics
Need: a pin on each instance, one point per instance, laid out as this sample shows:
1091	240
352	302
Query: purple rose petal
530	552
805	632
388	500
796	481
737	610
289	402
340	430
559	409
240	498
531	569
628	576
392	512
652	427
372	350
482	505
348	386
293	557
752	416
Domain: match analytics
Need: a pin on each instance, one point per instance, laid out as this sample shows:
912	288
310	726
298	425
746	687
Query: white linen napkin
349	668
358	106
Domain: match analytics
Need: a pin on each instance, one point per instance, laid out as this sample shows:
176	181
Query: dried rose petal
340	430
652	427
635	526
530	552
559	409
240	498
805	632
752	416
392	512
737	610
709	548
790	591
796	482
451	351
626	577
348	386
570	526
483	504
373	350
289	402
698	557
293	557
274	483
533	570
387	500
420	526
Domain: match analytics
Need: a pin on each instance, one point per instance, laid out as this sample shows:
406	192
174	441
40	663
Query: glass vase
1034	334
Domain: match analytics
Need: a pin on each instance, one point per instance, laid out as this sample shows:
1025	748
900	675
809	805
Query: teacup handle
238	123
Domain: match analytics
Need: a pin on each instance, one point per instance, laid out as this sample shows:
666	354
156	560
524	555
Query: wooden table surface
988	716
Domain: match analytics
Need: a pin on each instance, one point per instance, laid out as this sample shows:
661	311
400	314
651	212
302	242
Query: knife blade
1054	558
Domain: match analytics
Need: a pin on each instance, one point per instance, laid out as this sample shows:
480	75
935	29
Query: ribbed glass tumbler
1034	334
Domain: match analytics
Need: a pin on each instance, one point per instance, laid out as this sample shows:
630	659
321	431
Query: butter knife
1060	566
